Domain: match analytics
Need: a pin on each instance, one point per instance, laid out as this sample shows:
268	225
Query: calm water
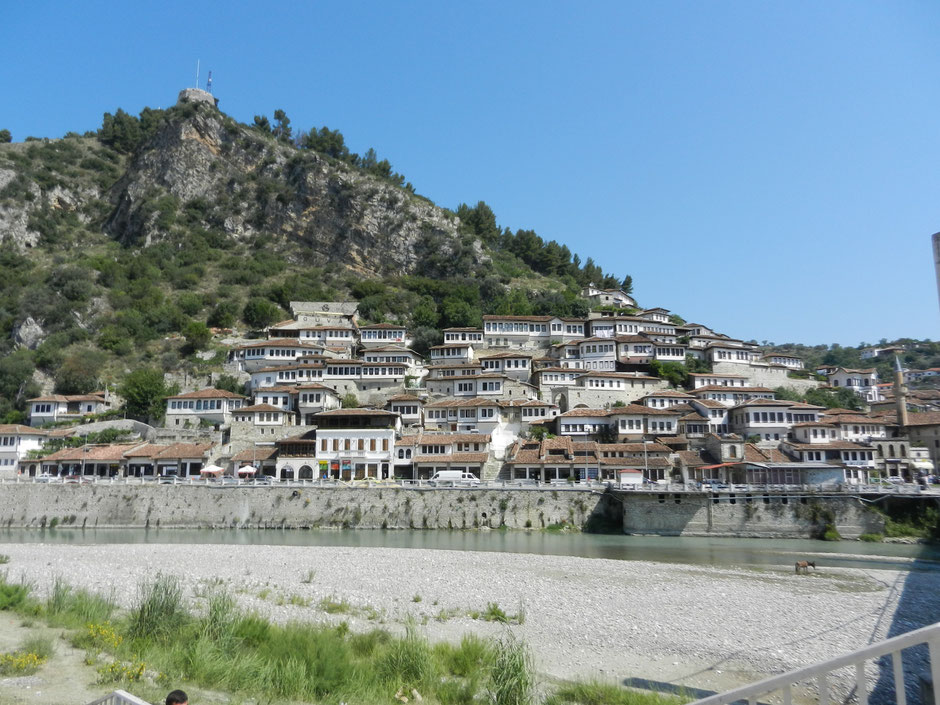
693	550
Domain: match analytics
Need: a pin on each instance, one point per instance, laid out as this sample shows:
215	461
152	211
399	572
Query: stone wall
202	506
757	515
760	374
212	506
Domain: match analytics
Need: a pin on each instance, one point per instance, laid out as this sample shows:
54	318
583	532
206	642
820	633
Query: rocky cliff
234	179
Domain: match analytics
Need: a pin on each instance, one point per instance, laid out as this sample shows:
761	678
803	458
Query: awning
247	470
211	470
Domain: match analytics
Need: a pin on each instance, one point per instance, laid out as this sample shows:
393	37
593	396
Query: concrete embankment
201	506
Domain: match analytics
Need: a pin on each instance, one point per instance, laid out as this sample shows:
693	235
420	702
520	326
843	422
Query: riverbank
697	626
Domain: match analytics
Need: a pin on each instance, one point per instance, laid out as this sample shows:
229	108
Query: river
667	549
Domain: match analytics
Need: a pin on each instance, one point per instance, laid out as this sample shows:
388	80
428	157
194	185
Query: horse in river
804	566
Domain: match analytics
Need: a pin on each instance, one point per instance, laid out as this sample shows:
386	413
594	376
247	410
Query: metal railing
119	697
819	674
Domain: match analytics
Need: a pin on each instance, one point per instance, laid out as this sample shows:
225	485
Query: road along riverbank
34	505
698	626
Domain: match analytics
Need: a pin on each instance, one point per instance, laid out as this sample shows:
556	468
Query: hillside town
522	399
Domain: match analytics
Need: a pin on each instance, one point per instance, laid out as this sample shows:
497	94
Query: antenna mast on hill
197	74
209	83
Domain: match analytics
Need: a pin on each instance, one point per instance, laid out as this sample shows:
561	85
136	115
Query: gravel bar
706	627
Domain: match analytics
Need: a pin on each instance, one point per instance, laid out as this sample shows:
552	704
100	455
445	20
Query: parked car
171	479
46	477
894	480
452	478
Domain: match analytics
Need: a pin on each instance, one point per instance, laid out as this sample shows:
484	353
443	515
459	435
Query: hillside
123	247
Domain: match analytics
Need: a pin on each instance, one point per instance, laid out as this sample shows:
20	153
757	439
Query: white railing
119	697
820	672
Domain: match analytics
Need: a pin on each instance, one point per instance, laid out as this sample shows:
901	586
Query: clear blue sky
769	169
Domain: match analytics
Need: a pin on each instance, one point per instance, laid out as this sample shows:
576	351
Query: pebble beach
704	627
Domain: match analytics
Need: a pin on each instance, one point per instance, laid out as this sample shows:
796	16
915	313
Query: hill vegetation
124	248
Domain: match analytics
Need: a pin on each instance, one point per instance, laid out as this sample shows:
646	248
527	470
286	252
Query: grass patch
331	605
871	538
241	654
4	559
595	693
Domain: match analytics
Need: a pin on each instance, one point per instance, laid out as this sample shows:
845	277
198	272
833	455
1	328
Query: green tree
229	383
626	286
282	129
197	335
5	136
80	372
349	401
144	393
262	123
16	378
260	312
121	131
673	372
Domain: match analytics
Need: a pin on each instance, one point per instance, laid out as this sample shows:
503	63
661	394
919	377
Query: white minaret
936	259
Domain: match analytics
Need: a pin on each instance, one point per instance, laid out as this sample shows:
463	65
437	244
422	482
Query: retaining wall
199	506
758	515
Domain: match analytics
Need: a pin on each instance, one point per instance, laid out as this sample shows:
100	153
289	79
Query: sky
769	169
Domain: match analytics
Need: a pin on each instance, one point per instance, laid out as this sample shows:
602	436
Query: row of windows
338	333
388	358
411	410
202	404
397	335
42	408
451	352
8	440
345	371
337	444
520	363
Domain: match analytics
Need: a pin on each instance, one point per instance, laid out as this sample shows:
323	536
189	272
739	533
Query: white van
452	478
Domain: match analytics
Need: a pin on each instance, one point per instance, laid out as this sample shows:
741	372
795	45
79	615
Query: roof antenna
209	84
197	74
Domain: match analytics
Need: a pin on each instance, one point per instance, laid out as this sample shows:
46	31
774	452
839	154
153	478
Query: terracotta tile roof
755	454
257	453
619	375
640	463
927	418
710	404
70	397
404	397
185	450
314	385
640	410
277	343
209	394
19	429
722	375
504	355
692	458
457	403
633	447
582	413
462	330
259	407
382	326
834	445
815	424
92	453
669	393
534	319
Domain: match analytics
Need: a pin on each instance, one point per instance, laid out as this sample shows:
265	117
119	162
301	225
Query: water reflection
669	549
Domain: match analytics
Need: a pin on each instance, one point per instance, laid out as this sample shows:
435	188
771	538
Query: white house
210	406
383	334
16	441
348	444
474	336
863	382
54	408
